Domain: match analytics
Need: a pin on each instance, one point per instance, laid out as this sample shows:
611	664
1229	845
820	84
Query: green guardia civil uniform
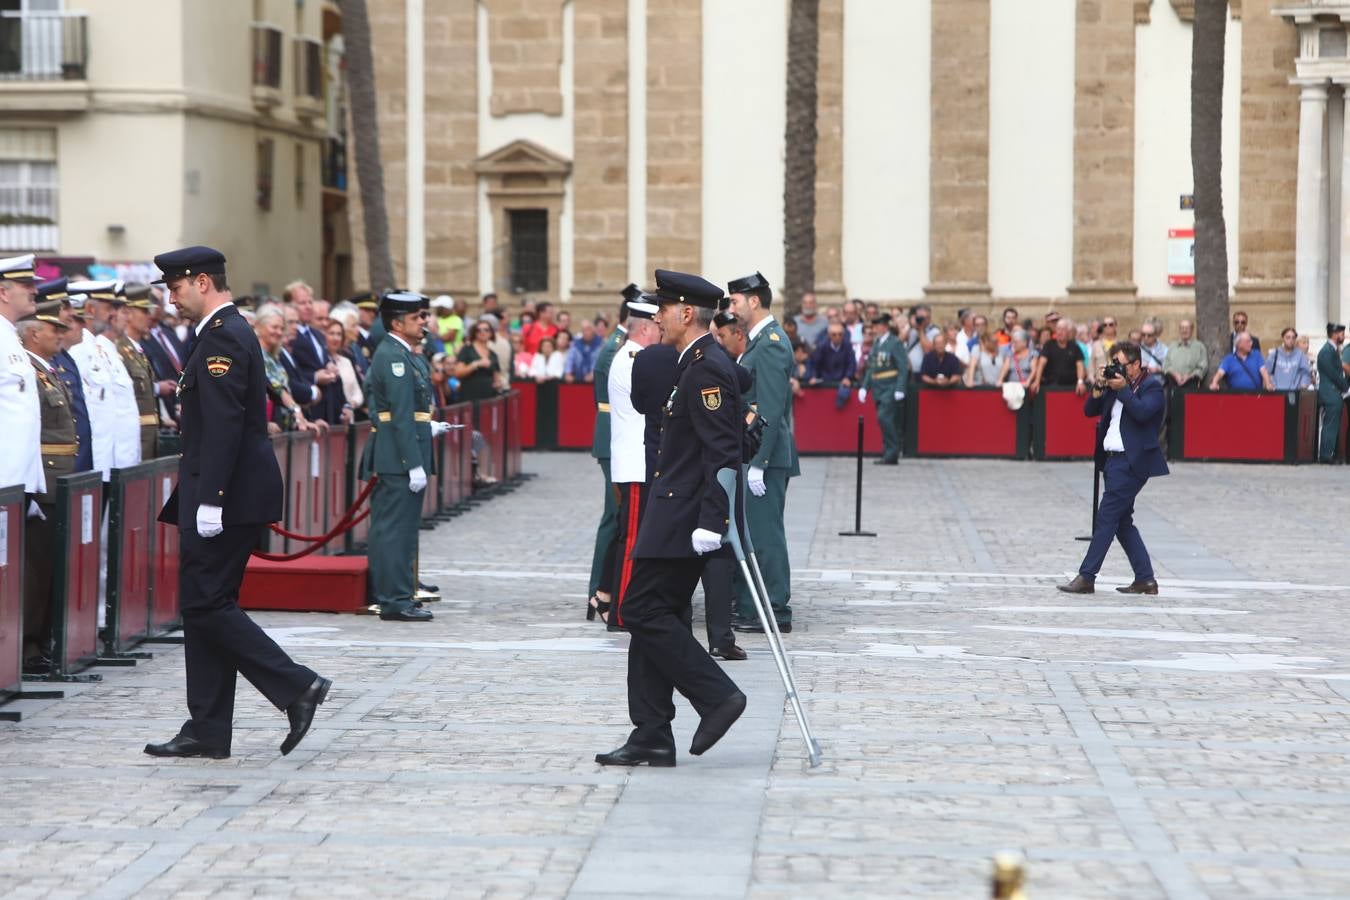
400	400
604	532
887	373
1331	385
769	357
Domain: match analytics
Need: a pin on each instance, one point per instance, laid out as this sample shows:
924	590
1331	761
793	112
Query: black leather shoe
731	653
38	665
1140	587
184	746
301	712
428	588
756	628
885	462
628	755
1079	585
715	724
406	614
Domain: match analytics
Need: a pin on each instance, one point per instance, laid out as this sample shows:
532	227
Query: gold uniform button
220	493
657	475
670	494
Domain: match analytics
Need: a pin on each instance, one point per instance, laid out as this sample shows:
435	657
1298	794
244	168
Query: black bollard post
1096	500
857	499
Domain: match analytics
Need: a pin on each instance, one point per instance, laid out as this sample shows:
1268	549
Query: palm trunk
1211	233
799	182
366	141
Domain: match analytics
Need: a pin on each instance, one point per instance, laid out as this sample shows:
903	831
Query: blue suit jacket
1140	422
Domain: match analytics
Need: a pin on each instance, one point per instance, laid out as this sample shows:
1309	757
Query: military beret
639	310
401	302
1333	328
747	284
631	293
96	290
189	261
679	287
18	268
53	290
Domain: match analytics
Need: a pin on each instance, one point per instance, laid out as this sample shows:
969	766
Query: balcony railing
43	46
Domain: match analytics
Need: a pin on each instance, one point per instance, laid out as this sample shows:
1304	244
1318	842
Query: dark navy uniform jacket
69	374
227	457
702	433
655	369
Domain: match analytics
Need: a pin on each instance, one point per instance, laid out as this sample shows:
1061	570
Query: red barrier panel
1234	426
524	423
131	536
820	428
1308	421
963	422
281	448
12	511
360	437
79	519
303	483
515	419
1063	431
460	452
336	488
492	425
164	612
576	416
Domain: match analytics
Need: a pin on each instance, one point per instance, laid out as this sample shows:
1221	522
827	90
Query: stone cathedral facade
972	152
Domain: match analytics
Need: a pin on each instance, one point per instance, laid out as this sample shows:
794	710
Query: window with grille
266	56
28	190
308	68
529	250
265	154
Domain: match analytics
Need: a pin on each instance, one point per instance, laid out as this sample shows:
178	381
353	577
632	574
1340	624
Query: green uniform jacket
399	397
769	357
1331	380
600	438
887	368
59	442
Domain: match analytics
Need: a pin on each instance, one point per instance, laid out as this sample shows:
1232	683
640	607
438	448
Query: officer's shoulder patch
218	365
632	354
397	368
712	398
217	323
773	336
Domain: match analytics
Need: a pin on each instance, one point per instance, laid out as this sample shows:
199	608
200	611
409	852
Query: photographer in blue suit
1131	407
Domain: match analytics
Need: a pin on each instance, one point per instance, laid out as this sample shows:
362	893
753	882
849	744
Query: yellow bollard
1009	878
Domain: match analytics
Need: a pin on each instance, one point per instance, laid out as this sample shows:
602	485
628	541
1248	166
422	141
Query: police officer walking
769	357
602	559
21	462
229	488
686	520
886	377
41	335
399	396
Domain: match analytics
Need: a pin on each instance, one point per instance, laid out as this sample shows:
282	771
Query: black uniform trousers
719	594
39	560
663	655
220	640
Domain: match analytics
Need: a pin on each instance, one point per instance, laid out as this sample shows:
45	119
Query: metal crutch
740	545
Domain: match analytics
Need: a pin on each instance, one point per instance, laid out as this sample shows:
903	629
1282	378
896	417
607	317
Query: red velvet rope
348	521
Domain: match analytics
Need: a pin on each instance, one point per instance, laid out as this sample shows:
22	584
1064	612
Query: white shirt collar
760	325
39	359
687	346
406	345
201	326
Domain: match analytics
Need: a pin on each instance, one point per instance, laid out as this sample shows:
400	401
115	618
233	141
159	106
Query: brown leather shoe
1140	587
1079	585
730	653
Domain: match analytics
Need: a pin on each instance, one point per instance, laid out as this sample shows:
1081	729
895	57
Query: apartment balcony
266	66
42	62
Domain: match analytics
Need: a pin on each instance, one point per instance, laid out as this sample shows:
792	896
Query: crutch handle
726	477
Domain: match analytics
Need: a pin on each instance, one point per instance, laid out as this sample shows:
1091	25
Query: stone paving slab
1192	744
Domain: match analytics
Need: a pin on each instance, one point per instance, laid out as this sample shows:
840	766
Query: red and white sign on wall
1180	256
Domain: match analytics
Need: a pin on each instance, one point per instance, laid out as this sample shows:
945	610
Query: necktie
168	348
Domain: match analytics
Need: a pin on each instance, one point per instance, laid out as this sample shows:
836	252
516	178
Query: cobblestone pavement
1187	745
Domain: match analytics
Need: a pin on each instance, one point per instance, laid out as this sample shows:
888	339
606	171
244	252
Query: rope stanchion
349	520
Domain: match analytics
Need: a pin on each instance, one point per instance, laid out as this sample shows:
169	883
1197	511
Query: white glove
899	395
440	428
35	511
862	395
705	541
208	521
417	480
755	481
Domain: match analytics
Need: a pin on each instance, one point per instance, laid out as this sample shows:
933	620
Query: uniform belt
421	417
1114	452
602	407
385	416
151	419
884	376
60	449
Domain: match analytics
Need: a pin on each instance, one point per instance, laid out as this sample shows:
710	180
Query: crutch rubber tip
716	723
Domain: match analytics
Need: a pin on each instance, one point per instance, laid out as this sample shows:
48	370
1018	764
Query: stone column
959	181
600	155
675	135
451	48
829	284
1103	151
1311	241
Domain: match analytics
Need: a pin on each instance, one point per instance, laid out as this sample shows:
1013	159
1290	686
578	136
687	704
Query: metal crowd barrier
132	524
79	518
13	510
491	423
359	437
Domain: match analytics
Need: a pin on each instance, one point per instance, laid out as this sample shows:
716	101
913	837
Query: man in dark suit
1131	407
229	488
309	350
684	523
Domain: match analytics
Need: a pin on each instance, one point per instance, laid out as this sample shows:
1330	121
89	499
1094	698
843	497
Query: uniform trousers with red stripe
632	502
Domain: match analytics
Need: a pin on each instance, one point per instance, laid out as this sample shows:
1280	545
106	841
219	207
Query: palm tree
1211	233
366	141
799	180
